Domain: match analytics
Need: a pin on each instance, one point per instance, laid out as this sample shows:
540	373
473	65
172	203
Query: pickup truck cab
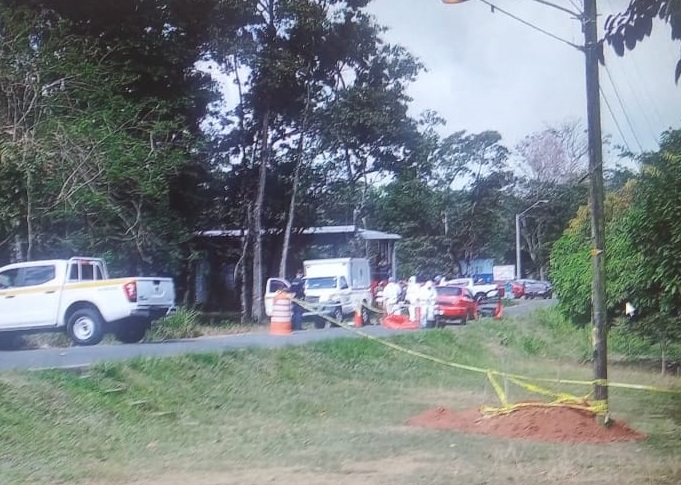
479	291
77	297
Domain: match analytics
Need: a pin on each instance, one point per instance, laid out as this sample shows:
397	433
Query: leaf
631	37
617	43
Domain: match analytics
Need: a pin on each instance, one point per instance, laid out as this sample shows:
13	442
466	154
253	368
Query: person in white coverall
427	297
412	296
391	294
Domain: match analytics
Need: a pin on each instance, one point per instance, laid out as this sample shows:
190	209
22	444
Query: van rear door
272	286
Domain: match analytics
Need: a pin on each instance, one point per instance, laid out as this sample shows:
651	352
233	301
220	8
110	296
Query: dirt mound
549	424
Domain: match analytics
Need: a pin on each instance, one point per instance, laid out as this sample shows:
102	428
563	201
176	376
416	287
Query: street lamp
518	259
592	50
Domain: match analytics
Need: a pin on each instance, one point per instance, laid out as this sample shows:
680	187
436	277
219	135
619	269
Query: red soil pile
548	424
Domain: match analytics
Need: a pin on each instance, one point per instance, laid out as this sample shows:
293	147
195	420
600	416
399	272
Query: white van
337	286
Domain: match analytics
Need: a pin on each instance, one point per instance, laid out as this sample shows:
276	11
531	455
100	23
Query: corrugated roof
367	234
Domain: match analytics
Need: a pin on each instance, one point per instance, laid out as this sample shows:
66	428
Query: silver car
538	289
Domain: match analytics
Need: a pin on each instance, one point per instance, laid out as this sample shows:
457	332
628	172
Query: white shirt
391	292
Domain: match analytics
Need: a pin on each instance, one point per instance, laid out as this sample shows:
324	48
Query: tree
571	267
626	29
556	155
655	229
109	130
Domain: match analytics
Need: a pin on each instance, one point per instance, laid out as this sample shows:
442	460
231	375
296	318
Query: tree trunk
257	312
291	209
29	216
242	268
663	356
294	191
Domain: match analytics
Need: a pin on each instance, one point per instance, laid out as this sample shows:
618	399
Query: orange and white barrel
280	321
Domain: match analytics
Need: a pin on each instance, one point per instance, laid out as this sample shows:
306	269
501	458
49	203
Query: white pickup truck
479	291
77	297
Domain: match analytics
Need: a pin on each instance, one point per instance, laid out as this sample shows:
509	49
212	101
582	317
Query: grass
331	412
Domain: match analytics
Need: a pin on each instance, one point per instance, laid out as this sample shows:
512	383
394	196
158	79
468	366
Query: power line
650	101
614	118
532	26
624	111
578	7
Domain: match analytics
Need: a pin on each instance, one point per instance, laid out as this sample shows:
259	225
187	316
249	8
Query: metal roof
366	234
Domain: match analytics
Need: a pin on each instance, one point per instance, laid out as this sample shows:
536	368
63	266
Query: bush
182	324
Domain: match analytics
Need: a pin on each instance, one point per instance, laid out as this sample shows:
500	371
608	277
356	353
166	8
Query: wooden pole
597	202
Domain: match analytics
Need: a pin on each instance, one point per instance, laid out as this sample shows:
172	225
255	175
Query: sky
487	71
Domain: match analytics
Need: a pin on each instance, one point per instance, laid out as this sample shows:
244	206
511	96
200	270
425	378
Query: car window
8	278
37	275
343	283
320	283
449	290
276	285
73	272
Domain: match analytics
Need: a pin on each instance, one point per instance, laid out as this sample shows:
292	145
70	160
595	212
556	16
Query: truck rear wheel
337	315
85	327
131	332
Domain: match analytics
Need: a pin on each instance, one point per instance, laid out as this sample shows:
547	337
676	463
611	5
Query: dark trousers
296	317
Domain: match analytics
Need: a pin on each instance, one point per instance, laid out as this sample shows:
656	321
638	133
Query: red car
454	303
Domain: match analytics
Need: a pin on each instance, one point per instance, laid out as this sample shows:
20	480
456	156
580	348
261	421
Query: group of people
419	299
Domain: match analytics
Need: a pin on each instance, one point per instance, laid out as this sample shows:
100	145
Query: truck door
273	285
36	296
345	294
9	305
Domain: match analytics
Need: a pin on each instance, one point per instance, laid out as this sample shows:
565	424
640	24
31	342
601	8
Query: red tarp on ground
399	322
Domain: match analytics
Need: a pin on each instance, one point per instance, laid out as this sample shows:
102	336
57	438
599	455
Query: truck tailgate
155	292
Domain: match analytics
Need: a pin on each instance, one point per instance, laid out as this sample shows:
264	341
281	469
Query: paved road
72	357
525	307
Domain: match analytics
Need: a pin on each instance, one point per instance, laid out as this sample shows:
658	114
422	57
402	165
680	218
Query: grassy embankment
332	412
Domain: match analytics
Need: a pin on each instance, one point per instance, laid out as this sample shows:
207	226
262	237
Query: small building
215	281
479	269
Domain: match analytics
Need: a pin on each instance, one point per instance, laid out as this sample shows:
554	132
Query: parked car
538	289
477	289
454	303
77	297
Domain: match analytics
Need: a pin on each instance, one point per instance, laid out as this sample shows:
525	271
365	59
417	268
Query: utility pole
591	49
518	255
597	201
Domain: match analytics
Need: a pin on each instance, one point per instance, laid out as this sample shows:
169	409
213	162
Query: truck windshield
320	283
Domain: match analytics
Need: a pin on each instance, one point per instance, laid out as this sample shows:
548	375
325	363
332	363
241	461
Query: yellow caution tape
373	309
599	407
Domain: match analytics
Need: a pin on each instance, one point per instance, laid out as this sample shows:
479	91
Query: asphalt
76	357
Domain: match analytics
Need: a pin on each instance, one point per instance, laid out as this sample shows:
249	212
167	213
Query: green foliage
626	29
571	260
184	323
643	250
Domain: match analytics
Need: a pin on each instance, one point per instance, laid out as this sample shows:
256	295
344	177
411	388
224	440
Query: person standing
298	290
391	293
427	298
412	297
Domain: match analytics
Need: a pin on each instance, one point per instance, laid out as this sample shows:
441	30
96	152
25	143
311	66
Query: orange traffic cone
499	310
358	319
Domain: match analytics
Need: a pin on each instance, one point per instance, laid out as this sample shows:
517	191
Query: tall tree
555	155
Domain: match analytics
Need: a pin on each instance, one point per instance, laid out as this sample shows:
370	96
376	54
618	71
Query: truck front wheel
132	332
85	327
